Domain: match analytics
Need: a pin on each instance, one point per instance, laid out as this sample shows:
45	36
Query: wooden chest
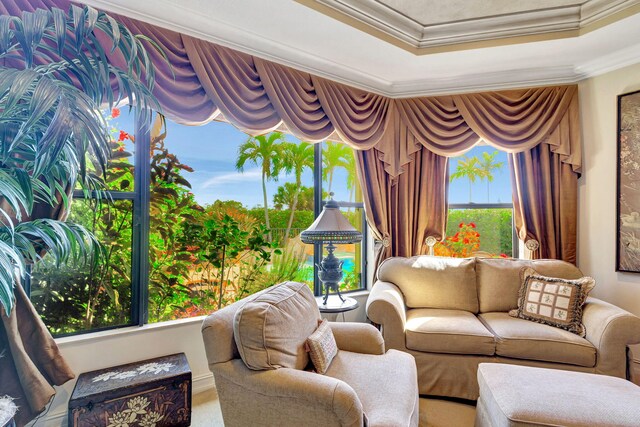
151	393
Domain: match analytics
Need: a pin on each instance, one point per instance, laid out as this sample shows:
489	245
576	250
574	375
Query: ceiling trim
385	23
186	22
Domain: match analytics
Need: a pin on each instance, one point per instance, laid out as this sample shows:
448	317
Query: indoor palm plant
56	75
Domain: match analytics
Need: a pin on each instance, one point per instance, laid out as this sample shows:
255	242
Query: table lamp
330	227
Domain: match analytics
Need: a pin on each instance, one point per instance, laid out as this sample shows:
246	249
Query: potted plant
56	75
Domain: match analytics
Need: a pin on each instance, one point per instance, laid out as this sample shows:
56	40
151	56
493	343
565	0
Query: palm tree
262	151
296	158
488	165
468	167
54	135
335	155
352	177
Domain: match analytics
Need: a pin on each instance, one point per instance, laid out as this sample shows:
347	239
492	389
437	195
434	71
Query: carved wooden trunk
154	392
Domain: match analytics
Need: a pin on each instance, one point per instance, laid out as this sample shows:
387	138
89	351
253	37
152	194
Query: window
480	209
186	231
339	177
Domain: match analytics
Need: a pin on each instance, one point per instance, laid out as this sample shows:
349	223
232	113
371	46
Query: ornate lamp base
330	273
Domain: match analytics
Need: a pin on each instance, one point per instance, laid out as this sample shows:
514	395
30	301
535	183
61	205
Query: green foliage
77	296
285	195
263	151
488	165
285	266
52	131
336	155
221	247
494	225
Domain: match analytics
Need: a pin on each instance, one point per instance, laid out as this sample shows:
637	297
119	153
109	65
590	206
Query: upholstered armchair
362	383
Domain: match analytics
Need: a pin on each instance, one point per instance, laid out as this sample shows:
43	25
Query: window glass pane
339	177
480	176
351	254
74	297
486	232
339	172
211	241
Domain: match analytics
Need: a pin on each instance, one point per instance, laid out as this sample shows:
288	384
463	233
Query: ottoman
512	395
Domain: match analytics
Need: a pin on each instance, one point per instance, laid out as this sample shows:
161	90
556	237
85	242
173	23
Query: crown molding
392	26
191	23
499	80
610	62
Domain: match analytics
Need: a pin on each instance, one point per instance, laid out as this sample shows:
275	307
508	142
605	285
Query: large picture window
186	229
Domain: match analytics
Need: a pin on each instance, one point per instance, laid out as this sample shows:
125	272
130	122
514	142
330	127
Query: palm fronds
57	74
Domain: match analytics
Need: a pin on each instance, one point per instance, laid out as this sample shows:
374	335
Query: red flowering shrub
460	245
463	244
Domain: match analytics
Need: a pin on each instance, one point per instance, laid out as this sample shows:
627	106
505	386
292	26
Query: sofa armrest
385	306
610	329
358	337
284	396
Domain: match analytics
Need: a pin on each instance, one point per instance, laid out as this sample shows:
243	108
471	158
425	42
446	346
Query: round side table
335	306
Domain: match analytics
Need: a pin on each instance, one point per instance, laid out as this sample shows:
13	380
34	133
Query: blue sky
499	189
211	150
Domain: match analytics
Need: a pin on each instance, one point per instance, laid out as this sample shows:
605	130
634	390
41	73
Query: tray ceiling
431	26
290	33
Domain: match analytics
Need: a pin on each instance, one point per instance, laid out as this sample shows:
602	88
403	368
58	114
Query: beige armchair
362	383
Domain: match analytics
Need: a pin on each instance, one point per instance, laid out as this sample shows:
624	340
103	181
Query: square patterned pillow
322	347
553	301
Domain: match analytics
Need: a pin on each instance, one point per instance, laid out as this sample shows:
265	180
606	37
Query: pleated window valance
200	80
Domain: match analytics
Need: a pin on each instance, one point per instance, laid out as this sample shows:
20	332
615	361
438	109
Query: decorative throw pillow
553	301
322	347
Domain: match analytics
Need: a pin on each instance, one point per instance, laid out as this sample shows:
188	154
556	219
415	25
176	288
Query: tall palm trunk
470	193
488	195
293	211
266	207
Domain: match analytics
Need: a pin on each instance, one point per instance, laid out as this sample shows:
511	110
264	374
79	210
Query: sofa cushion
386	384
522	339
499	279
271	330
322	347
552	301
433	282
447	331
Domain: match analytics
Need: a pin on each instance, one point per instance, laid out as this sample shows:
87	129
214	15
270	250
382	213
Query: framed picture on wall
628	212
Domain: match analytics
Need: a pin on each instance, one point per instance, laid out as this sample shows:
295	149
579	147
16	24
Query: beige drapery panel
32	360
403	210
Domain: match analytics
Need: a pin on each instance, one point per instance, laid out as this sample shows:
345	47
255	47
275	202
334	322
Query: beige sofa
451	315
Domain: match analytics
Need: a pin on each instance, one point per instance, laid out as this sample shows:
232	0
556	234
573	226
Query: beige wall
597	187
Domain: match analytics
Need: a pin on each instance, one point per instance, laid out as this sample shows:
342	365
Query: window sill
128	330
151	327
